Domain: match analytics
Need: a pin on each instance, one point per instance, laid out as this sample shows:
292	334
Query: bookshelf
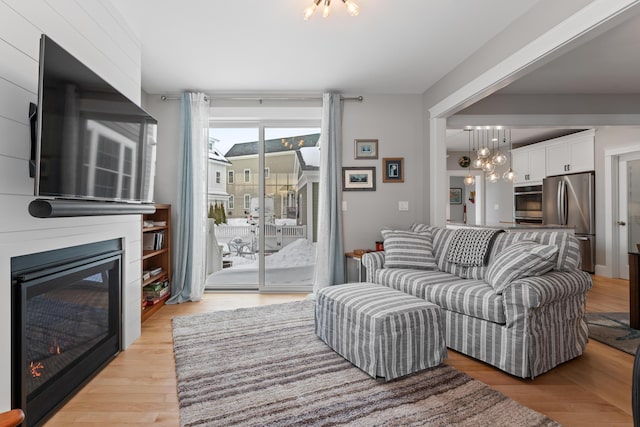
156	259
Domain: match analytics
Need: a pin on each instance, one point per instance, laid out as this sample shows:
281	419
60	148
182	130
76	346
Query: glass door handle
621	223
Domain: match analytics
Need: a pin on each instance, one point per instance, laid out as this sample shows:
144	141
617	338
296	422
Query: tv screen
92	142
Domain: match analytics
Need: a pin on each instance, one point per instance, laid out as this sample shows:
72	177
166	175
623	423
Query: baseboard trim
603	270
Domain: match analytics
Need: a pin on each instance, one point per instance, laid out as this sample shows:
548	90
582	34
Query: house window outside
247	202
247	176
218	177
230	178
232	202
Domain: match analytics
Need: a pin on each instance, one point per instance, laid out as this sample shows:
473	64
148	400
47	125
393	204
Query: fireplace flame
54	348
35	369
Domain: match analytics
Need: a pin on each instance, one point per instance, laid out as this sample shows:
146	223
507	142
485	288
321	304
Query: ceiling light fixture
510	175
499	158
469	179
352	8
489	156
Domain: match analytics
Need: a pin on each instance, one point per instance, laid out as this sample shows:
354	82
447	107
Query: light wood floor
139	386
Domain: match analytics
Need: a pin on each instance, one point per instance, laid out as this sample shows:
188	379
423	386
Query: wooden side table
634	290
359	267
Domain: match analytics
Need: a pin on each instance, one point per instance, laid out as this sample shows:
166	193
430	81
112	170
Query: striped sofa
525	326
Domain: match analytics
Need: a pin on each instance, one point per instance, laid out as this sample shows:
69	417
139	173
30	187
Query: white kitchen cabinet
529	164
571	154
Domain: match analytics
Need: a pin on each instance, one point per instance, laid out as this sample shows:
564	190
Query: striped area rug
264	366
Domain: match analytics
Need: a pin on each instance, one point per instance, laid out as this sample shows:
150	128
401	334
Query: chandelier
469	179
352	8
486	144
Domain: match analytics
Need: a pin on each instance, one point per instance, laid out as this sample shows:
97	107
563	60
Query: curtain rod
266	98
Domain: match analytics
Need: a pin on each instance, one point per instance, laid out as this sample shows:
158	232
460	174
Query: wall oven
527	203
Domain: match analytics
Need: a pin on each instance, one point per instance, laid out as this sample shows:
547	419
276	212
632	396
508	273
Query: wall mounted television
91	142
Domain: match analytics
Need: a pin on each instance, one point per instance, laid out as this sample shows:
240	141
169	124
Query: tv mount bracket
33	117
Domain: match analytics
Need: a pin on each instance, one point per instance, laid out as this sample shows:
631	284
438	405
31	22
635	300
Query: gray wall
168	115
608	138
456	212
396	121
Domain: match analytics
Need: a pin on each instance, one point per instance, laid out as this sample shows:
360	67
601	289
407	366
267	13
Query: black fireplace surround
66	322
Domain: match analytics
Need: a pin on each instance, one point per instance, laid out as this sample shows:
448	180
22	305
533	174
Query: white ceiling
400	47
261	46
607	64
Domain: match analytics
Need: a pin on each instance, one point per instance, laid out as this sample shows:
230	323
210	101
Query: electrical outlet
344	205
496	207
403	206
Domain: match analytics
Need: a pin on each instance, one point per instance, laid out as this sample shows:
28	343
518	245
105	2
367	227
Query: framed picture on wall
366	149
455	196
358	178
393	169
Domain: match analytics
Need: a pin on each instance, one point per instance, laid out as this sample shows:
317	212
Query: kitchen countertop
509	226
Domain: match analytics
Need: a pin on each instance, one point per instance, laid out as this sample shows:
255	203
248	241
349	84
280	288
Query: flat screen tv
92	142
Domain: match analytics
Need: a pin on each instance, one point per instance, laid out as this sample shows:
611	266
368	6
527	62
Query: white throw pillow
522	259
406	249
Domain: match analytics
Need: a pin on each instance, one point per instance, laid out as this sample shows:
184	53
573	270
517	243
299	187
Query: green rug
613	330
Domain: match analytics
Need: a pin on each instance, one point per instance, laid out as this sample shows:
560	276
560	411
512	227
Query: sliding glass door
261	207
233	190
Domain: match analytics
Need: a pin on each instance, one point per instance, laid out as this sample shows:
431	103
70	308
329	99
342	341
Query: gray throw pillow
522	259
406	249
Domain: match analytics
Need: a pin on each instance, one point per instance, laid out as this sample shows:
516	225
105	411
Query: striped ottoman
382	331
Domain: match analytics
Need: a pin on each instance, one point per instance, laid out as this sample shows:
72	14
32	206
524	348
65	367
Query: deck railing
276	236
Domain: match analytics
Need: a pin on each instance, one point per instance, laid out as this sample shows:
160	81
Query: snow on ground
293	264
300	252
237	222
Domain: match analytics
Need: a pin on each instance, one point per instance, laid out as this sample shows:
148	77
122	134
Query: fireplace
66	311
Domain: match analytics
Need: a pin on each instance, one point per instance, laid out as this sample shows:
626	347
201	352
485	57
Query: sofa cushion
471	297
568	246
421	228
525	258
412	282
406	249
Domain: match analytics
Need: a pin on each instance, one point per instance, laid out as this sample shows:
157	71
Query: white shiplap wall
95	34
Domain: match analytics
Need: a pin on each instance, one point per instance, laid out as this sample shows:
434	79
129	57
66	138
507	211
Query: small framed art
455	196
358	178
393	169
366	149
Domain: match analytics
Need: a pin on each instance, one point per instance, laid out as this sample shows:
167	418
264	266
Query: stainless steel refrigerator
569	200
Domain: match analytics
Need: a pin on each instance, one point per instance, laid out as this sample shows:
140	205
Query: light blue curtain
191	212
330	248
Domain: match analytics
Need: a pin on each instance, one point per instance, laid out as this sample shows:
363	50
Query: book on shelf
151	272
156	286
154	292
153	241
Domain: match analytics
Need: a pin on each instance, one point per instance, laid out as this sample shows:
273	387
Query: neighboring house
279	172
307	169
217	178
